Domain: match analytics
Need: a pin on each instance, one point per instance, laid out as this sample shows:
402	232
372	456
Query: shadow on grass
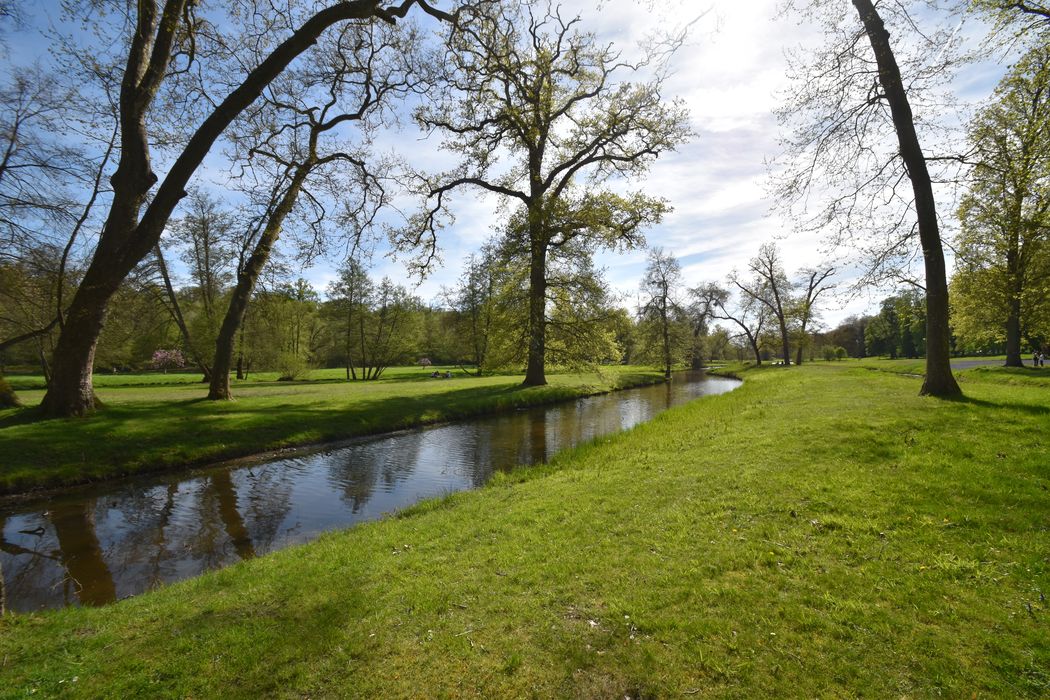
1031	409
23	416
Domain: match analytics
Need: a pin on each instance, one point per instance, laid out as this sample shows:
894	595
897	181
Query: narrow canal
101	544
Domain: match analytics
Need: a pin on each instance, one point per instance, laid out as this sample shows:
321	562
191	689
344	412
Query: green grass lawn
163	421
820	532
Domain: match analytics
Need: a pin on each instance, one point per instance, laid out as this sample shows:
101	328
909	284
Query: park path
967	364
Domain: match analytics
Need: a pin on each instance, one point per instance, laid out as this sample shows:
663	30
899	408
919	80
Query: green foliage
525	85
817	533
899	329
8	398
291	366
581	320
1002	281
1013	22
378	325
664	326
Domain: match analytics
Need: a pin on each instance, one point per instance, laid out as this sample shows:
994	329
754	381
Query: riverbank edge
232	455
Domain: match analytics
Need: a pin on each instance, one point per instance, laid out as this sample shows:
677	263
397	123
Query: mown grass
163	421
820	532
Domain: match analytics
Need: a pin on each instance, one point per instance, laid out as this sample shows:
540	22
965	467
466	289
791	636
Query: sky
730	73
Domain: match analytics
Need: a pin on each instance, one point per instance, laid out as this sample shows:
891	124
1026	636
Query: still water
113	541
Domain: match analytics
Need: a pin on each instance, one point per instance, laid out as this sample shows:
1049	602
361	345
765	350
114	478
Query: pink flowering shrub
167	359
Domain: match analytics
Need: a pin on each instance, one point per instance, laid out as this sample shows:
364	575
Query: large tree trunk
535	374
70	391
939	379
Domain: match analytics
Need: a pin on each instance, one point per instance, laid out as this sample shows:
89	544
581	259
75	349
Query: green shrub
291	366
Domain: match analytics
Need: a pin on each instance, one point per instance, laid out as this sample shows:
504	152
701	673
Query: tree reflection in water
120	539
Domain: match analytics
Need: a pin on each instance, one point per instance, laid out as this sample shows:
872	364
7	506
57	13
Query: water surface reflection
117	540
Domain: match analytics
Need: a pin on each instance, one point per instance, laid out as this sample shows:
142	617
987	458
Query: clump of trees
771	309
1001	286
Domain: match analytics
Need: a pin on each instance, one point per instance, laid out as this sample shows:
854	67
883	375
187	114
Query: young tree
855	131
699	314
527	84
205	237
350	295
814	282
385	333
474	302
769	287
1004	244
660	307
159	44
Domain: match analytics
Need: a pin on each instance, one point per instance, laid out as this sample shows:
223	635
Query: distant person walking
1042	358
1035	358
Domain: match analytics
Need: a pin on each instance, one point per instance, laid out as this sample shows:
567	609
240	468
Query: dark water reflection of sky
117	540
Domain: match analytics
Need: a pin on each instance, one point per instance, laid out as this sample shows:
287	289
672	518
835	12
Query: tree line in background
290	99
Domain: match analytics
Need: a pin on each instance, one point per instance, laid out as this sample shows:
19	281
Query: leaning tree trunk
70	391
755	349
535	374
126	238
939	379
219	388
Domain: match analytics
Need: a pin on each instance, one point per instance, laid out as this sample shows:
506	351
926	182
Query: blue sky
730	74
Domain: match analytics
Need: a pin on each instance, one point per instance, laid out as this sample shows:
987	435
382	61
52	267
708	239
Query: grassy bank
821	531
158	421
